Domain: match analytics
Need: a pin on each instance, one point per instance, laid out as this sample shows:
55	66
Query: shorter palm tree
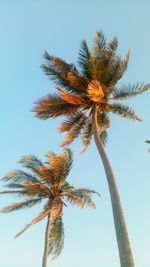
47	181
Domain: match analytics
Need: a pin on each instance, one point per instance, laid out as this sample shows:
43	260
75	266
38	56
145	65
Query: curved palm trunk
125	253
45	255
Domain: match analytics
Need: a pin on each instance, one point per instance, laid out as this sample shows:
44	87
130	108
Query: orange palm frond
42	215
76	80
72	99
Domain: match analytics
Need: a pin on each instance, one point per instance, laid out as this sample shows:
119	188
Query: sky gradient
28	28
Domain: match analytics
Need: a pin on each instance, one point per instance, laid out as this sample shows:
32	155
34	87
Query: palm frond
114	71
103	120
18	176
81	197
37	189
49	155
125	62
72	99
64	74
103	136
42	215
74	132
31	162
47	175
67	161
124	111
18	192
84	190
83	59
59	63
86	135
56	237
53	106
21	205
112	46
99	44
127	91
15	186
105	66
70	122
57	169
60	166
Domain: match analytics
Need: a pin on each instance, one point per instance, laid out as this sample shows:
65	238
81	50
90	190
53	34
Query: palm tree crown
47	181
95	83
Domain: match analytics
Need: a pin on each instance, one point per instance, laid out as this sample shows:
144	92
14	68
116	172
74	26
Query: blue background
27	28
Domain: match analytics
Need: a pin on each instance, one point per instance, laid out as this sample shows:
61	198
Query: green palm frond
60	64
21	205
67	161
125	62
83	191
29	191
56	237
72	120
74	132
83	59
127	91
23	180
63	74
103	120
116	67
107	57
31	162
17	192
81	197
124	111
105	65
66	188
15	186
104	137
86	135
114	71
53	106
19	176
112	46
99	44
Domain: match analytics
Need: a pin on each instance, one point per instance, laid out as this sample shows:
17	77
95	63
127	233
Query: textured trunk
125	253
45	256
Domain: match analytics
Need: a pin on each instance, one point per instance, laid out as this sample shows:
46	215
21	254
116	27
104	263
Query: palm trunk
45	255
125	253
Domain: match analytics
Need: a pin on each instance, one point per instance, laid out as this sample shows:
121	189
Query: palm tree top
46	181
95	83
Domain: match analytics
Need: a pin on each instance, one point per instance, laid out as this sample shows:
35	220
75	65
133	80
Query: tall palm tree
47	181
86	97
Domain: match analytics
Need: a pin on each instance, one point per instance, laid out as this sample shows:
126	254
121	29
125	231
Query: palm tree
86	97
47	182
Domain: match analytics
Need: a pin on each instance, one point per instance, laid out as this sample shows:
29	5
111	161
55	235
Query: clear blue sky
27	28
